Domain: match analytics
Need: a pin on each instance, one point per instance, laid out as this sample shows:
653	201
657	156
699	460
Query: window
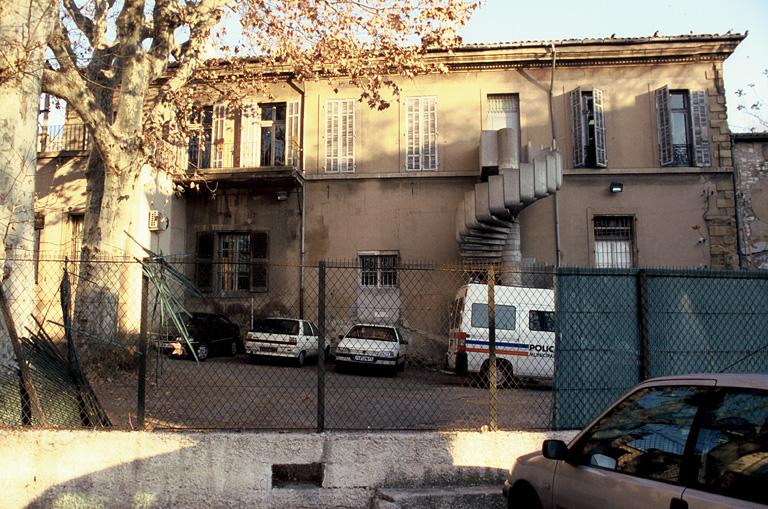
421	133
76	222
505	316
378	270
543	321
340	136
731	451
503	112
644	435
614	241
588	128
206	146
272	134
235	261
683	127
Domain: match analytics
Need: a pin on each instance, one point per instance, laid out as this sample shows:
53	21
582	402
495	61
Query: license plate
268	349
363	358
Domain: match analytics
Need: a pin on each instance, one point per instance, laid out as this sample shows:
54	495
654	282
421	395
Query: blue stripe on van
484	342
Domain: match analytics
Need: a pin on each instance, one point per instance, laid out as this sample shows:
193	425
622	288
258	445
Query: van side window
543	321
505	316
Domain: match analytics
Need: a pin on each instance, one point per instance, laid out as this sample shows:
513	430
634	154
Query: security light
616	187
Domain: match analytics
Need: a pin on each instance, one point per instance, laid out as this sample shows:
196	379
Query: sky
516	20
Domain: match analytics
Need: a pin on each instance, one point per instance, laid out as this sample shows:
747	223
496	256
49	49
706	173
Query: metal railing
63	138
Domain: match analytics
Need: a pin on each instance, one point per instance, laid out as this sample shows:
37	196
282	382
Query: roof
603	41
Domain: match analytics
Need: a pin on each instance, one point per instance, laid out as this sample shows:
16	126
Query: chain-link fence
370	344
619	327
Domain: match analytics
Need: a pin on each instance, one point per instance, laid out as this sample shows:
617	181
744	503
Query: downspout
302	199
554	146
741	251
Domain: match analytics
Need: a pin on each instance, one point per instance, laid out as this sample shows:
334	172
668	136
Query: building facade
617	150
750	152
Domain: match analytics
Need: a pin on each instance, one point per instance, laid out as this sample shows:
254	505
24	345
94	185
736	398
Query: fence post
141	392
642	301
321	348
492	393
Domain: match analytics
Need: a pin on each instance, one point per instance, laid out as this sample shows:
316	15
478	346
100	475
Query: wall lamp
616	187
282	196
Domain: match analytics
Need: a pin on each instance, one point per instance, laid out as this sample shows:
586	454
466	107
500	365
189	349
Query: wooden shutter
292	134
577	129
332	136
601	157
412	129
217	137
664	126
259	261
700	125
347	136
429	133
204	264
250	134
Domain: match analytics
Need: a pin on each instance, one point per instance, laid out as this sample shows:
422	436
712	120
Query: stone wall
751	161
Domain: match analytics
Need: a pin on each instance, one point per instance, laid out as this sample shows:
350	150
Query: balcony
63	138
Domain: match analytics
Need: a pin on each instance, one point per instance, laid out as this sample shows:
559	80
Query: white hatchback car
372	345
682	442
282	337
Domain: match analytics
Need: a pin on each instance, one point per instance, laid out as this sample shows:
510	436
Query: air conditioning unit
154	221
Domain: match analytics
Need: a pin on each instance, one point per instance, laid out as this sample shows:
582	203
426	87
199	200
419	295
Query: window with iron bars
378	270
235	261
614	241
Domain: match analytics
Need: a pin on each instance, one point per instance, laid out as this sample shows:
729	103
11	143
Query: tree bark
24	29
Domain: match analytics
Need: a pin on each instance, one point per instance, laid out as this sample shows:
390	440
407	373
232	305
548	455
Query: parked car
372	345
209	334
698	441
282	337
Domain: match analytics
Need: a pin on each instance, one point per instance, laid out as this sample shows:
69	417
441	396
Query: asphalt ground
231	393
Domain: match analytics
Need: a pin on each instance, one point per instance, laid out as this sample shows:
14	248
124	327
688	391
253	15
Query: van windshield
372	332
505	316
276	326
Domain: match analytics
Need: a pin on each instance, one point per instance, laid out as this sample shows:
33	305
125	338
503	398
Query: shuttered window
249	135
219	125
292	134
682	119
588	129
421	133
199	148
340	136
614	241
236	261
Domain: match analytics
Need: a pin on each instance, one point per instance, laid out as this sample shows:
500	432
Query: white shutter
421	133
292	134
249	135
599	111
217	137
664	126
577	129
700	124
331	137
347	136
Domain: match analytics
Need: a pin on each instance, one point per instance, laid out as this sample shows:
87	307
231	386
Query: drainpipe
554	146
741	251
302	199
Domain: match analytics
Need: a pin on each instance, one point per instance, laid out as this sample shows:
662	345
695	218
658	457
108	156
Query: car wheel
301	359
504	374
401	366
202	352
253	359
233	348
523	496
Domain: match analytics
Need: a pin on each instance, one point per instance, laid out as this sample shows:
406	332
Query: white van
525	332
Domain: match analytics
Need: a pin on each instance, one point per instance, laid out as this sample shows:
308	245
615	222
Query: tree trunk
24	28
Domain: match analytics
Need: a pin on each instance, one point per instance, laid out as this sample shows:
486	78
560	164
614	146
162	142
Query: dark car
209	334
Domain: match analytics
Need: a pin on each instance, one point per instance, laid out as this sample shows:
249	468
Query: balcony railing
58	138
212	156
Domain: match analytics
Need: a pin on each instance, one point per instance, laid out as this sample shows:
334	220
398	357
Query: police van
525	332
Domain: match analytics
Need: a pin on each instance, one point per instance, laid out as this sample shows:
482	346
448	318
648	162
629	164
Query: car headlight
342	349
388	353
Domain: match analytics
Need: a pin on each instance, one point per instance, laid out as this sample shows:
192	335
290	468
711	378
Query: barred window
378	270
236	261
614	241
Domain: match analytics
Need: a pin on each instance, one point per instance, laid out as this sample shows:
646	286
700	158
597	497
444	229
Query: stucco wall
143	470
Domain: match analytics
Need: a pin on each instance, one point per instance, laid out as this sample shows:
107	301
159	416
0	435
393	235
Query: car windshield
276	326
197	321
372	332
